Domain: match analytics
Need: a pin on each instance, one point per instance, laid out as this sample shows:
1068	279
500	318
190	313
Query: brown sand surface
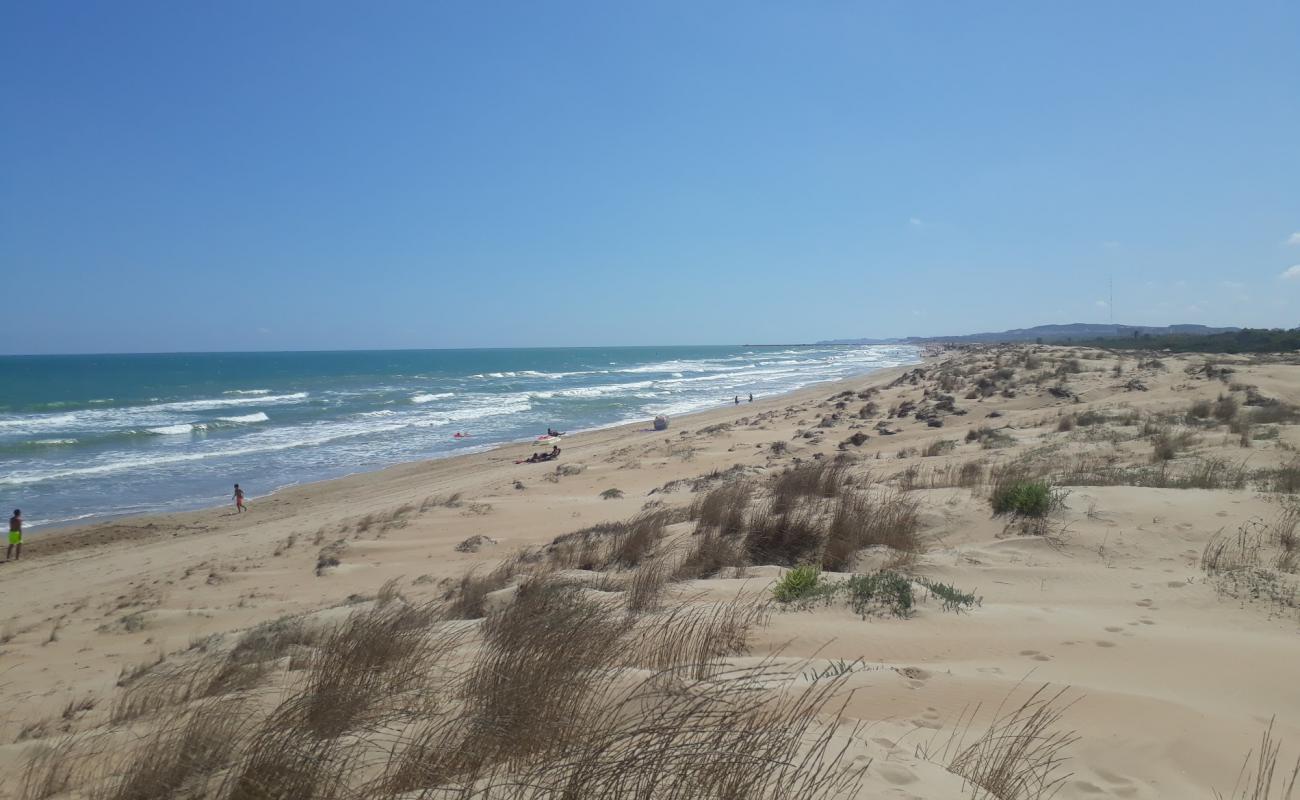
1173	674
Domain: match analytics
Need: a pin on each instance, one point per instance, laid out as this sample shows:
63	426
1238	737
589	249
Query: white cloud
1294	239
1193	309
1102	304
1291	273
915	222
1233	285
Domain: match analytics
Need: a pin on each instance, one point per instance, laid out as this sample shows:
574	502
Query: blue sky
253	175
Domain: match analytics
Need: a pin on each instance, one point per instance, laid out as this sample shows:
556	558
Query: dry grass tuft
611	545
646	587
1258	777
179	757
709	552
823	478
724	508
1020	756
373	655
52	769
469	598
697	639
859	521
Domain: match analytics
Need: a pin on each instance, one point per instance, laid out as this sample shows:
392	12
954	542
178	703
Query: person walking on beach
737	399
751	397
239	500
15	549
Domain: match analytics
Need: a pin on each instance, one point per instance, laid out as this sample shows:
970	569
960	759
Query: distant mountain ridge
1050	333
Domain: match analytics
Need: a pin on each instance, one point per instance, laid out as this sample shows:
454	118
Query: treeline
1247	340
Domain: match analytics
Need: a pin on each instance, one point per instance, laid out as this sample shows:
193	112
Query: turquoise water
83	437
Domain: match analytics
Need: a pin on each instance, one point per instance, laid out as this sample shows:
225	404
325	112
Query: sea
86	437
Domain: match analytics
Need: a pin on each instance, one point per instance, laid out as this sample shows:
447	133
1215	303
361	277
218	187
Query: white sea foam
594	391
174	430
247	391
269	441
429	398
157	415
524	373
491	407
212	403
37	422
258	416
54	442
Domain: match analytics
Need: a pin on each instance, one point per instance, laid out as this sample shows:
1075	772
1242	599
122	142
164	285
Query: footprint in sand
914	673
1104	643
897	774
1119	785
1144	602
1113	629
1146	621
1035	655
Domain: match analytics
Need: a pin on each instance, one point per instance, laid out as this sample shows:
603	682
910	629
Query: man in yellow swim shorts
15	549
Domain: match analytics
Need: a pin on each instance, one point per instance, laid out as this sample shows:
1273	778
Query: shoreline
404	469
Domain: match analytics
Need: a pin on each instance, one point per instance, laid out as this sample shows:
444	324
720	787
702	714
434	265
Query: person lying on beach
15	548
538	458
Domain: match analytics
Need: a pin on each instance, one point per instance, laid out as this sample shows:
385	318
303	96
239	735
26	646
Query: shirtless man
239	500
15	549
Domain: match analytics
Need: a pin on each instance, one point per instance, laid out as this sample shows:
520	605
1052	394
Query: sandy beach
1168	671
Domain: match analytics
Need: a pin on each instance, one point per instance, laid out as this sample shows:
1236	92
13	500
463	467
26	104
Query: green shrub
954	599
886	589
1023	498
799	583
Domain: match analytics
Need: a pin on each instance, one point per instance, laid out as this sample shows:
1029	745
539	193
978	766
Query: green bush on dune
1024	498
797	584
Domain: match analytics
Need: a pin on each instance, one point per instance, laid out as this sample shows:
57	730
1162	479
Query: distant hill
1077	331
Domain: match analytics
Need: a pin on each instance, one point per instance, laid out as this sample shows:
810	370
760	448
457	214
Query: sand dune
1164	673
